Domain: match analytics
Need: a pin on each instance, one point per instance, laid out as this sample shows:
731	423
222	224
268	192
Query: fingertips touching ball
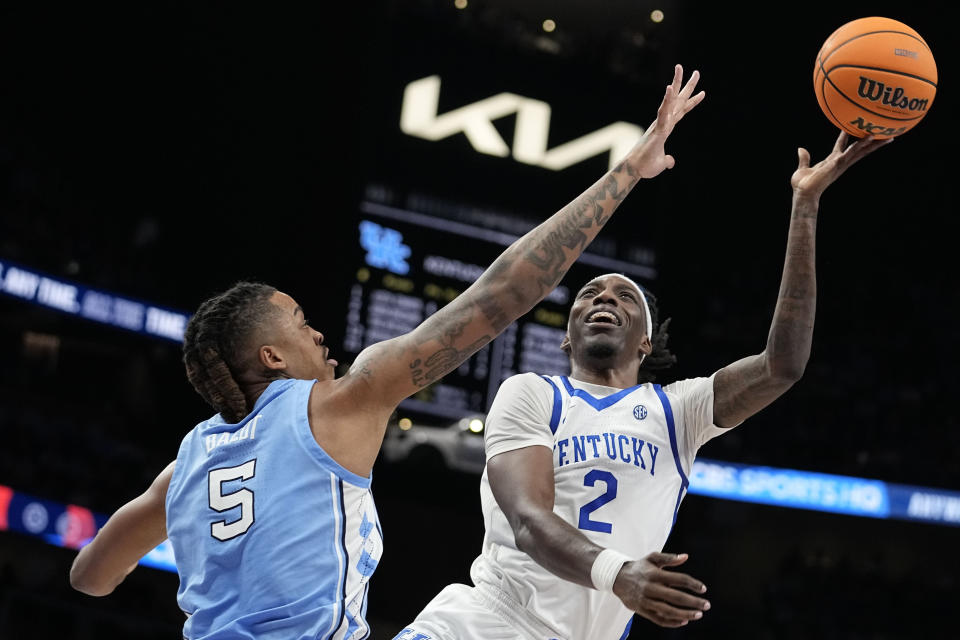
875	76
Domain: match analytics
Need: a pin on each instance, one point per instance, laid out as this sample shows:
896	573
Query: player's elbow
789	372
525	527
786	369
84	581
89	587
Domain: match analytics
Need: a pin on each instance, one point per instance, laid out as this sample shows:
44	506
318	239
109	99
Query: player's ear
565	345
271	358
645	348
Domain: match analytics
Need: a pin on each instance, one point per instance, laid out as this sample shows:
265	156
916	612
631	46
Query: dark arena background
153	153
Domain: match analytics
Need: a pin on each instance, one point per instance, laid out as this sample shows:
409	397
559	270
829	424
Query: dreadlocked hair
214	341
660	357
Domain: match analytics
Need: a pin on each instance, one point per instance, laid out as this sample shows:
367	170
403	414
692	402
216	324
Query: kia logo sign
419	118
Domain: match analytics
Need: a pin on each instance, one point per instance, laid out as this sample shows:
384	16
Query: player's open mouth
332	362
603	317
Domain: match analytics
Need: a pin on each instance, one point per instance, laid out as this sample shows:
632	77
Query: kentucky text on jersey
616	446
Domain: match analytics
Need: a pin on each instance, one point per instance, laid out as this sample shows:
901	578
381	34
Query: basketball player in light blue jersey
585	473
268	505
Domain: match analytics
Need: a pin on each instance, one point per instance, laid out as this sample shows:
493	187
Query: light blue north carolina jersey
272	538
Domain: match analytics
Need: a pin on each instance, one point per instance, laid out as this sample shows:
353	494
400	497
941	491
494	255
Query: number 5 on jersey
220	501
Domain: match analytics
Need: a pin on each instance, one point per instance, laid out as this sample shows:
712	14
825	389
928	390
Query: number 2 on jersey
589	480
220	501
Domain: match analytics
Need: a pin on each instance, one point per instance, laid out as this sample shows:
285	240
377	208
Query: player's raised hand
811	181
663	597
648	157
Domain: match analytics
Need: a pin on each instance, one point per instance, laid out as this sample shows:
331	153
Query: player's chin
325	371
601	347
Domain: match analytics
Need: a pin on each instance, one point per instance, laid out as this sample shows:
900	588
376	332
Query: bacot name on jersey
248	430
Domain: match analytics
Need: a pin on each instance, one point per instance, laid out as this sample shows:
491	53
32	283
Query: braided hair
660	358
215	340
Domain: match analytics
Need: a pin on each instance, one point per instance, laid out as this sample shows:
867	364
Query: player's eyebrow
619	286
298	310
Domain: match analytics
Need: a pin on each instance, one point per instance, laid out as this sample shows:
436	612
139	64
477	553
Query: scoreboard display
412	264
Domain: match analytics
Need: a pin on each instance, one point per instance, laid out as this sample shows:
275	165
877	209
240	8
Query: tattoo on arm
363	367
611	191
572	229
796	301
495	314
549	254
448	357
455	329
489	305
743	388
443	361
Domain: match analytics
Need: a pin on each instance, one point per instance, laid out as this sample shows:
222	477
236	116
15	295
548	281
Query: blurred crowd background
163	151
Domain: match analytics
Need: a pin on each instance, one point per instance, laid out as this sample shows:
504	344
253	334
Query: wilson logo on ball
894	96
875	76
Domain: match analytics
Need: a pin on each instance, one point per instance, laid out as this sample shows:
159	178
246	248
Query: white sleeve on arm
696	425
520	415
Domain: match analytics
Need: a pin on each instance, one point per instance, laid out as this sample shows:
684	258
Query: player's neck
618	378
252	385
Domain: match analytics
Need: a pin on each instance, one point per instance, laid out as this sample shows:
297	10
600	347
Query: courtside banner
824	492
73	526
99	306
64	525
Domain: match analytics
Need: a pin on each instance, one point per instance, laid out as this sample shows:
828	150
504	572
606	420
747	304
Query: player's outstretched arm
520	277
130	533
743	388
522	482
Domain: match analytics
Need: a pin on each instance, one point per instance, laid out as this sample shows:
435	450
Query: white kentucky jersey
273	539
622	459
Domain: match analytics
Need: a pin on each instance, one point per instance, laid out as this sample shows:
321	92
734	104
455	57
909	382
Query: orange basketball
875	76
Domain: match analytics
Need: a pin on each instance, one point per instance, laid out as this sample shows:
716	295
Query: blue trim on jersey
365	527
273	390
309	442
363	610
557	406
626	632
352	626
598	403
342	605
671	428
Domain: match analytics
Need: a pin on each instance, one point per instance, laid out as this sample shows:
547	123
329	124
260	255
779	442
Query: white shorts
460	612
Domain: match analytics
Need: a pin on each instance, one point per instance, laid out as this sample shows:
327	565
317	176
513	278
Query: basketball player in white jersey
585	473
268	505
